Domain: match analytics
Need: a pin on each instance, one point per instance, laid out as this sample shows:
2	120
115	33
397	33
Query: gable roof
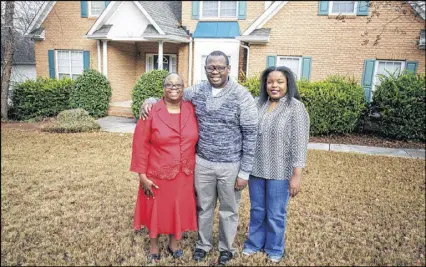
163	16
418	6
24	48
265	16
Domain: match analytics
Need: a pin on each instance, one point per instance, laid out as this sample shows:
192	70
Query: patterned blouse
282	139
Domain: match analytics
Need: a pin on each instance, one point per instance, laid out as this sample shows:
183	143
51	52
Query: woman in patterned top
280	155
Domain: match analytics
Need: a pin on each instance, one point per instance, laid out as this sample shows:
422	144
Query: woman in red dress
163	154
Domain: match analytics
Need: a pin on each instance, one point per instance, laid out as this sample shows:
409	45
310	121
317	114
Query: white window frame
151	55
89	7
330	9
218	17
267	4
299	72
70	62
376	67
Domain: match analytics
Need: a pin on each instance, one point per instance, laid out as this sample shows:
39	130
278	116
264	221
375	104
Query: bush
334	105
36	99
252	83
73	121
400	101
150	84
92	92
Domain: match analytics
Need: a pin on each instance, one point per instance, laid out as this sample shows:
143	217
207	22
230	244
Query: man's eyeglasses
170	86
218	68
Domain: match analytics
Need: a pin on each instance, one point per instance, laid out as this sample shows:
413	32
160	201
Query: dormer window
218	9
96	7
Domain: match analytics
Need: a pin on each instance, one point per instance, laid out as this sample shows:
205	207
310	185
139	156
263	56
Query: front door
165	62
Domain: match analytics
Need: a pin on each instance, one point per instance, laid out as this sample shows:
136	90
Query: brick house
124	39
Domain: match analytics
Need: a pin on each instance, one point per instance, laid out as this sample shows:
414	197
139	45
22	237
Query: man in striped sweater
227	120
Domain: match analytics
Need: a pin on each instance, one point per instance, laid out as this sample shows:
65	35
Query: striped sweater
227	124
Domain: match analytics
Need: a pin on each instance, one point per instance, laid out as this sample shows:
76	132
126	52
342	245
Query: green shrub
92	92
334	105
40	98
400	101
73	121
150	84
252	83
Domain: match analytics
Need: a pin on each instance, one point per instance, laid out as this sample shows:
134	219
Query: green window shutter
411	66
106	3
51	58
242	9
367	77
322	8
86	60
83	9
195	9
271	61
306	68
362	8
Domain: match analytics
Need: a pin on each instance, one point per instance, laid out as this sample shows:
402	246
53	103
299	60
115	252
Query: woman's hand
295	182
147	185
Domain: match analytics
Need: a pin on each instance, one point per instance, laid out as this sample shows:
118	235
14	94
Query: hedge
73	121
150	84
334	105
400	101
252	83
43	97
92	92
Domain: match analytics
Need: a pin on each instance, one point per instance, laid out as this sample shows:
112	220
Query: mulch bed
348	139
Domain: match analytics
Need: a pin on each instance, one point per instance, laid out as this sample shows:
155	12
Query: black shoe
177	254
199	254
224	257
153	258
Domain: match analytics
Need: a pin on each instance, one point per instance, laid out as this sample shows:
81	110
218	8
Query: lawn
68	199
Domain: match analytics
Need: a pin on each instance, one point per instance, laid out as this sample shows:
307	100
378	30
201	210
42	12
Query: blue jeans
268	210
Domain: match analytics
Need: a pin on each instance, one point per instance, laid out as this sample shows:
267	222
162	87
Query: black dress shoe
153	258
199	254
224	257
178	253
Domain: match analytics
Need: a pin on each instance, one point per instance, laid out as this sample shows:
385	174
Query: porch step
120	109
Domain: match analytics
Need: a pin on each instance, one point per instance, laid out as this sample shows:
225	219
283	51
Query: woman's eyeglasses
170	86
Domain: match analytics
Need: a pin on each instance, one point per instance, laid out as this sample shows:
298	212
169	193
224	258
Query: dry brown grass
68	199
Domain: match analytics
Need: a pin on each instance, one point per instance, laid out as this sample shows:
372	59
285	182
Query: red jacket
160	149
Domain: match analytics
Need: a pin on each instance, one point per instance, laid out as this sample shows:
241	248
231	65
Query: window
219	9
69	64
96	8
203	63
343	7
169	62
293	63
386	68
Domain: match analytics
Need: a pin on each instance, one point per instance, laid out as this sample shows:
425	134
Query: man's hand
144	110
240	184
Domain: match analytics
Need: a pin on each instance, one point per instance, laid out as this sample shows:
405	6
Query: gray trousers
212	182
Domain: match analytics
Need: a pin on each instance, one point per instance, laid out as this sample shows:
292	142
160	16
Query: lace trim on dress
170	171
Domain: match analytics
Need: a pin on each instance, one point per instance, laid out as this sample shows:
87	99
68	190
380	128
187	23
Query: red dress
164	150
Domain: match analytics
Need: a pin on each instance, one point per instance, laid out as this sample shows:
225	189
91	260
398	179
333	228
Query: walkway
127	125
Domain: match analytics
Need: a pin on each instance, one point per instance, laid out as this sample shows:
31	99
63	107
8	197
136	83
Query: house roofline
44	11
265	17
253	39
109	8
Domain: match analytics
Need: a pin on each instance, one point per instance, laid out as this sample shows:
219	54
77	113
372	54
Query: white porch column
105	59
160	55
98	43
